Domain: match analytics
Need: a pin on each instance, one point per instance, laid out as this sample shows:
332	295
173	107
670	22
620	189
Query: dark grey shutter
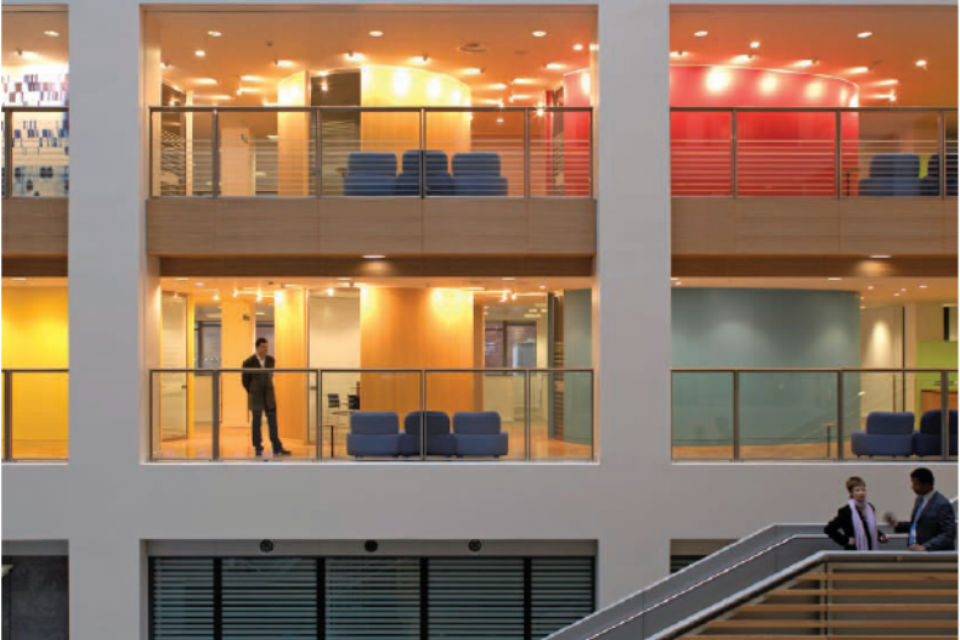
476	598
561	592
373	598
182	599
269	598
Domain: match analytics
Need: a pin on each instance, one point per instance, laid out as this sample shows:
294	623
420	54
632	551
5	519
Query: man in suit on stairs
933	523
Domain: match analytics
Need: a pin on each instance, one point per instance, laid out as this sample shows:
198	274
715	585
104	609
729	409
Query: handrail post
733	153
838	153
215	410
840	414
527	454
150	113
318	154
590	152
7	415
215	153
944	414
736	415
423	411
526	153
319	425
422	160
942	149
8	152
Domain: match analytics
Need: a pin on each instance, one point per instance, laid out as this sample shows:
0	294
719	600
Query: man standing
933	524
261	398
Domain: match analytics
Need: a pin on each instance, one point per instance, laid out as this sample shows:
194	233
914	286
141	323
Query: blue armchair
893	174
438	181
374	433
478	434
478	174
440	442
927	441
370	174
887	433
930	185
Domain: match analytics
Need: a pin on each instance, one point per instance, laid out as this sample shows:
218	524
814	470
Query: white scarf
859	535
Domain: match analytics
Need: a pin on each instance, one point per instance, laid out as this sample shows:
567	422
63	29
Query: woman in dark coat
856	532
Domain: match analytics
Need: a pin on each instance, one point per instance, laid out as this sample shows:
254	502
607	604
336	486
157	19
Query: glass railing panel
495	164
950	147
890	153
363	152
868	391
182	158
701	153
560	158
787	415
786	154
38	412
40	142
362	413
267	153
561	415
702	410
182	415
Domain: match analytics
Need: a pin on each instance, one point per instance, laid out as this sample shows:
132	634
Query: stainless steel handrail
316	113
839	372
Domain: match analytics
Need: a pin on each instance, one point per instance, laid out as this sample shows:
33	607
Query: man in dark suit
261	398
933	523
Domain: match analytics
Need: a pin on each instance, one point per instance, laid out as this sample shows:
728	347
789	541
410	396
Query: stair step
836	624
836	608
877	576
864	592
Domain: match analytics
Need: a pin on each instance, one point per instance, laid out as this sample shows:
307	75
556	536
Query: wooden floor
235	444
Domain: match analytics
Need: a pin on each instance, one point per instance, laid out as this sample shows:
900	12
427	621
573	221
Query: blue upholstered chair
370	174
440	442
930	184
438	181
892	174
926	441
887	433
374	433
478	174
478	434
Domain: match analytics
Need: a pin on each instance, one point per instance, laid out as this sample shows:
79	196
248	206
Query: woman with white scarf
856	532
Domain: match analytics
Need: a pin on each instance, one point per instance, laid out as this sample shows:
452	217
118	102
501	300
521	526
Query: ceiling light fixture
921	63
521	81
200	53
373	256
887	83
498	86
205	81
578	47
803	64
863	35
555	66
755	44
539	34
27	55
376	33
743	58
251	78
857	70
165	65
472	71
214	33
880	256
594	46
834	279
50	33
499	120
283	64
922	286
679	54
353	56
423	59
701	34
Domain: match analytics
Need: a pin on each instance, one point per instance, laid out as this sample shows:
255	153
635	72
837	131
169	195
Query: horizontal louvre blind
373	598
561	593
476	598
269	598
182	599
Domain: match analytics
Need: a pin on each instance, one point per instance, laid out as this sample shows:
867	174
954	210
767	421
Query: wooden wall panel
472	225
562	226
35	226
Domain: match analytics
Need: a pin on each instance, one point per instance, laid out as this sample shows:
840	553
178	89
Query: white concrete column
106	265
633	281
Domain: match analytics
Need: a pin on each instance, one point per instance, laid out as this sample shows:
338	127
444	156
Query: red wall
777	153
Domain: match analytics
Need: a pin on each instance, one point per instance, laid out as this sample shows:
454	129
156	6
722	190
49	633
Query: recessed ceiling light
199	284
205	81
755	44
200	53
28	55
213	33
508	278
578	47
472	71
520	96
803	64
880	256
743	58
922	286
165	65
50	33
887	83
207	96
344	279
921	63
903	290
594	46
521	81
858	70
869	287
183	279
499	120
373	256
376	33
539	34
19	279
284	64
498	86
700	34
251	78
330	292
243	90
679	54
834	279
424	59
678	283
896	294
555	66
864	34
353	56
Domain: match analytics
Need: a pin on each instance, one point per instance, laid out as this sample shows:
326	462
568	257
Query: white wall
334	341
106	501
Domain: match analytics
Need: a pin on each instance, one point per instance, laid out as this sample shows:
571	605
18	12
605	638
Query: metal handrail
733	142
839	372
421	373
317	143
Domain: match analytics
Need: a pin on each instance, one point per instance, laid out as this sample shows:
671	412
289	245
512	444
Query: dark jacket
937	526
259	386
840	529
